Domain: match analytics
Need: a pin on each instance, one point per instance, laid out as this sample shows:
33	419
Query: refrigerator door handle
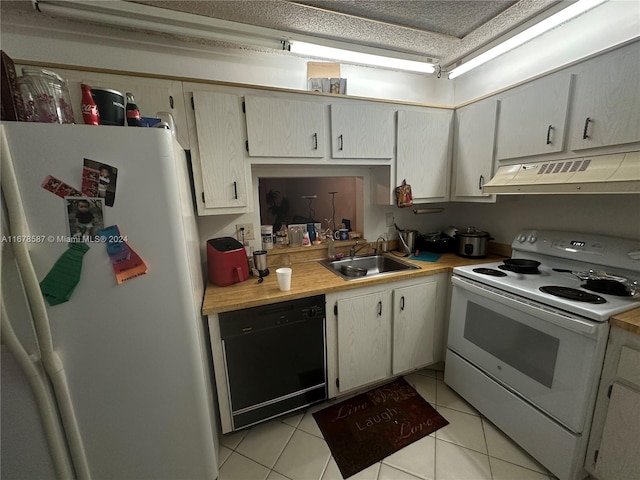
52	364
36	378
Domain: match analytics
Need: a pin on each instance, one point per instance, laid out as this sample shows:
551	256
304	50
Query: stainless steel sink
369	266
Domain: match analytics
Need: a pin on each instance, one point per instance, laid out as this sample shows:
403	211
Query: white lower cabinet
612	453
364	339
414	318
376	333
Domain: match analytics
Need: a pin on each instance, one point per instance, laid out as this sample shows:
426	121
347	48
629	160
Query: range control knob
522	238
533	238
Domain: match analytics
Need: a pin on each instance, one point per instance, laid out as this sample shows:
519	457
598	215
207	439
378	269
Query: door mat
365	429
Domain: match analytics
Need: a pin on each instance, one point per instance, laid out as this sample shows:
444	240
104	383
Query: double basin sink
368	266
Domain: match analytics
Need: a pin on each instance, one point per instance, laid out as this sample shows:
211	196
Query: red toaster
226	261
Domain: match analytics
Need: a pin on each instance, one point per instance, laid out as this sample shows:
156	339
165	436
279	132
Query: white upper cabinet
218	161
423	153
361	131
475	131
533	118
607	101
278	127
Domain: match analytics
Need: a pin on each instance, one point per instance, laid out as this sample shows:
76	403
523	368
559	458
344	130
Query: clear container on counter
46	96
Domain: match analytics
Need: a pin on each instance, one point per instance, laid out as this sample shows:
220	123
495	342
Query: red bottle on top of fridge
90	113
133	113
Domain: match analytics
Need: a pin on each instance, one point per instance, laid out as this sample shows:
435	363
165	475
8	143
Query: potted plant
278	210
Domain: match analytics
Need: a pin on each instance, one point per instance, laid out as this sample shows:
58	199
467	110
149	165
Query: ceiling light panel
536	30
350	56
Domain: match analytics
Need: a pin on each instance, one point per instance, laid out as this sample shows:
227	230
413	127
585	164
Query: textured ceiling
447	30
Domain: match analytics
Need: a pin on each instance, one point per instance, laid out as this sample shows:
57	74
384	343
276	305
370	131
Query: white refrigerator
115	382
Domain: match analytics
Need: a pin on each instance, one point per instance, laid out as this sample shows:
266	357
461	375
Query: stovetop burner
572	294
523	270
608	287
490	271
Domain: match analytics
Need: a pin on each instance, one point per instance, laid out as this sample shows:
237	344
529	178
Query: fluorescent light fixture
548	23
144	17
350	56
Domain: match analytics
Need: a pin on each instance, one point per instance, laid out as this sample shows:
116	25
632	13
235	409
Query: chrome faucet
384	245
353	250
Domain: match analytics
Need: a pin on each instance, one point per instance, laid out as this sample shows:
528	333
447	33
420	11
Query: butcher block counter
311	278
629	320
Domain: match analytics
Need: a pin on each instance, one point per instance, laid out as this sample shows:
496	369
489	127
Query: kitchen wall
30	36
614	215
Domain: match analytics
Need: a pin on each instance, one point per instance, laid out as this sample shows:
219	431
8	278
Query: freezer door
133	353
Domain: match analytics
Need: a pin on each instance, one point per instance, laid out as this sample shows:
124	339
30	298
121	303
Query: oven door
548	357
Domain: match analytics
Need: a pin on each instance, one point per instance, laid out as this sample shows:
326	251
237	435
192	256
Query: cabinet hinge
335	309
609	391
246	145
595	456
337	383
193	105
171	101
244	108
203	198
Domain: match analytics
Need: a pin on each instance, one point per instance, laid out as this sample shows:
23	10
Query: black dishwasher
275	358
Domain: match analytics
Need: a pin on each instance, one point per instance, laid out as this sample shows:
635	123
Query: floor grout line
284	448
440	393
486	446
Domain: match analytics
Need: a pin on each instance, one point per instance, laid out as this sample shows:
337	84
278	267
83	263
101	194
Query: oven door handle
548	314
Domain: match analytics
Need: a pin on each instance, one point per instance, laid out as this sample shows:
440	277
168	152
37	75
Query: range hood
616	173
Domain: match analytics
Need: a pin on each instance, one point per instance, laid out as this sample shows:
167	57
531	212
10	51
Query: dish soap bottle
331	248
306	241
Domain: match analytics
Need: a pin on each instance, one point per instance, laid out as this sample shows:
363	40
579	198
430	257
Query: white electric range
530	360
569	251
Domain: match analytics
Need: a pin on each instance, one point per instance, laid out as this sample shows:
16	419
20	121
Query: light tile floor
469	448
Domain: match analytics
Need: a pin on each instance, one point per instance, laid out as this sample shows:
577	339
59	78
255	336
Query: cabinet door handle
480	182
341	143
235	190
402	303
586	127
549	128
315	141
380	308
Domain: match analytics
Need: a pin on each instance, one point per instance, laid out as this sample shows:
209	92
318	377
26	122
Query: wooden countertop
311	278
629	320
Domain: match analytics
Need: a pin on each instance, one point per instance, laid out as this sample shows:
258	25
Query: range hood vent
617	173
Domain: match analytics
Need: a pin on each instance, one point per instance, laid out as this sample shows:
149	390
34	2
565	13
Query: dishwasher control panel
252	319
